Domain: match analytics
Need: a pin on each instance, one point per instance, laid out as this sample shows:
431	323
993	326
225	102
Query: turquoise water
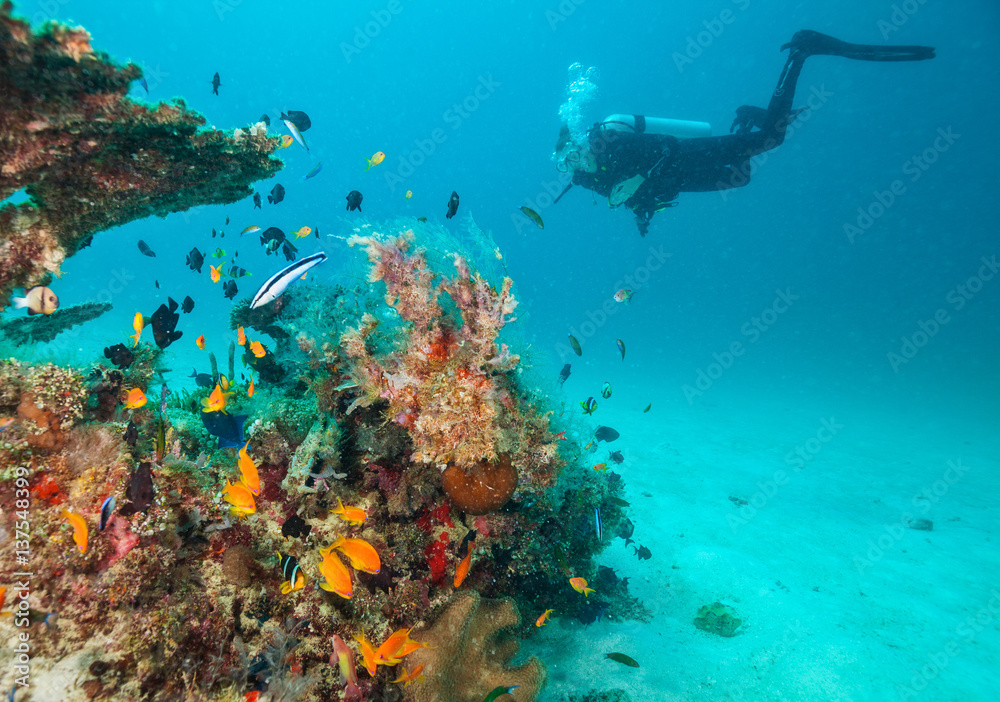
768	334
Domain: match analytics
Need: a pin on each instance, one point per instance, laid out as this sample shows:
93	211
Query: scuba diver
645	162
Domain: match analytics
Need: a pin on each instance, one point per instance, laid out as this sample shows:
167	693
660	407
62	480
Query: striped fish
598	524
277	283
290	571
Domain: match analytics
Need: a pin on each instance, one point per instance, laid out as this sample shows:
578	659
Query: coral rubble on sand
90	158
336	517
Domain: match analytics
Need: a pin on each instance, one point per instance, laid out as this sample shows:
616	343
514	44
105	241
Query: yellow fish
136	398
286	141
337	576
241	336
360	553
600	467
248	471
351	515
215	272
304	231
580	585
409	194
216	402
200	342
376	159
258	349
137	325
223	382
240	498
79	529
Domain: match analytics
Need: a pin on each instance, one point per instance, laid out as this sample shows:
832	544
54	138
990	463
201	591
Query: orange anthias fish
463	568
252	388
336	574
351	515
544	618
136	398
304	231
369	658
360	553
241	336
248	471
215	272
257	349
407	677
600	467
376	159
216	402
388	652
348	671
240	497
137	325
580	585
80	530
200	342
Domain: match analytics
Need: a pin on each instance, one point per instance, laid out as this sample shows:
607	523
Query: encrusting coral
90	158
468	650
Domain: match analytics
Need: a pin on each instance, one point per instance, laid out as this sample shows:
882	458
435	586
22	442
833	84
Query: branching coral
468	651
90	158
23	330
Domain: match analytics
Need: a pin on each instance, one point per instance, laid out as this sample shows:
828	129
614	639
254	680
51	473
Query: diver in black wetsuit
646	172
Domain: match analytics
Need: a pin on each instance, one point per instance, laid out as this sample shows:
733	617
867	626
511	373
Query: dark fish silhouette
626	529
288	250
145	86
643	553
591	612
227	219
256	201
86	242
606	434
229	289
237	271
202	380
265	119
227	427
164	321
144	248
120	355
617	457
140	491
452	205
195	259
271	239
354	199
157	284
564	374
299	119
295	527
216	83
131	433
187	305
213	232
277	194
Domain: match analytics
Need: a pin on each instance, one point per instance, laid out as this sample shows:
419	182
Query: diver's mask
569	160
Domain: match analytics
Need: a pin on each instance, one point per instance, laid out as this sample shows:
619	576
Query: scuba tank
639	124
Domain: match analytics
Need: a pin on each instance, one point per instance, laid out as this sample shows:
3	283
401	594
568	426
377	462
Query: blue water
467	98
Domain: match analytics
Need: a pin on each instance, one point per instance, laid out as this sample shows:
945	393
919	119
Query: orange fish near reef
360	553
216	402
257	349
248	471
463	568
80	530
252	388
241	336
137	325
600	467
369	658
544	618
580	585
388	652
215	272
136	398
407	677
240	497
336	574
351	515
200	342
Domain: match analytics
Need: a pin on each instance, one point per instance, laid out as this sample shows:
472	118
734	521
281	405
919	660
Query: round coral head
481	488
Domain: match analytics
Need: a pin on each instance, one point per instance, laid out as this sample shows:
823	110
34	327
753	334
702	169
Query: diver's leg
810	43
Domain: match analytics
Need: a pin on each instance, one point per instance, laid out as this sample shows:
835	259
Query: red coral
437	559
439	515
47	489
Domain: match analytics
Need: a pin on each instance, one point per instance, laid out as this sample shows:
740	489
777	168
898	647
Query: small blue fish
621	347
107	507
314	172
589	406
598	524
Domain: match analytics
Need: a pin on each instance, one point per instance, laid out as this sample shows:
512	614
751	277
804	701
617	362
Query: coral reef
468	651
90	158
25	330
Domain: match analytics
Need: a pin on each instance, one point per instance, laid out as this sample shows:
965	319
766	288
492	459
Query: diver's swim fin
810	43
624	190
